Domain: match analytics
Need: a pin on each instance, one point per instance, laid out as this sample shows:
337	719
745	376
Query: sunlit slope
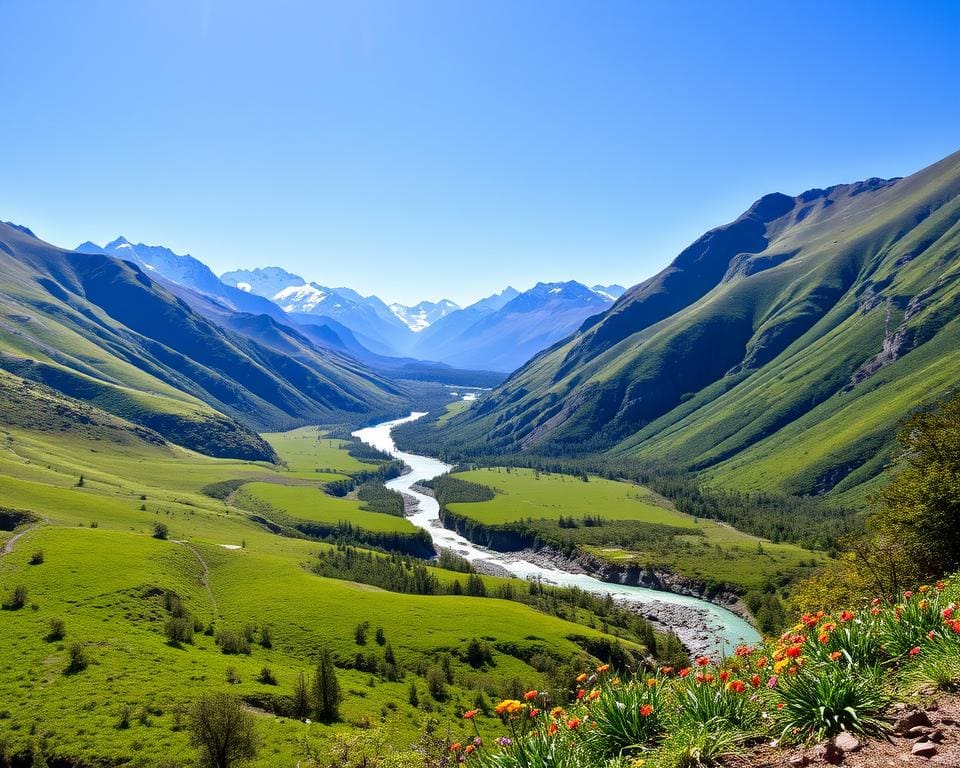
100	330
776	352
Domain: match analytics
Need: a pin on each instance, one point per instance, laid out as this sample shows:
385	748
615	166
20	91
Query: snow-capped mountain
612	292
504	338
263	281
423	315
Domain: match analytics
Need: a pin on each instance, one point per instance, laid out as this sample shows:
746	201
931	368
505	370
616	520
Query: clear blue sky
428	149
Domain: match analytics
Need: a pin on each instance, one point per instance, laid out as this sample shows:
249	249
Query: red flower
469	715
703	661
847	616
737	686
793	651
580	694
530	695
573	723
684	672
724	676
755	681
646	710
915	651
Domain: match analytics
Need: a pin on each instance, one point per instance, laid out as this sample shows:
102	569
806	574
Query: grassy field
308	451
313	505
104	573
659	534
452	409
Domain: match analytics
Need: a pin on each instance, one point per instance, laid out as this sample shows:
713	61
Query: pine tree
301	698
326	690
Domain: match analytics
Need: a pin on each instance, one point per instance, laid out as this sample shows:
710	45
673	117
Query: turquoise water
727	628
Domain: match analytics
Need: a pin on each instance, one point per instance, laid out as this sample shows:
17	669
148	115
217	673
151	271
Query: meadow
606	513
99	496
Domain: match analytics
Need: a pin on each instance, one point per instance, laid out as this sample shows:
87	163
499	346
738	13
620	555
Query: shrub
822	700
179	630
161	531
233	677
267	677
437	683
360	633
266	638
123	721
692	745
18	598
222	730
57	629
232	643
37	557
78	660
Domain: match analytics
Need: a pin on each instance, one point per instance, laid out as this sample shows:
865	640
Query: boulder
914	719
847	742
924	749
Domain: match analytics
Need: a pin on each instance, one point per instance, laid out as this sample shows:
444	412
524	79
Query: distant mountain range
183	364
777	352
497	333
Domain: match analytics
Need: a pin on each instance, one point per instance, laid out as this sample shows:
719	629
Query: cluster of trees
395	573
379	498
912	533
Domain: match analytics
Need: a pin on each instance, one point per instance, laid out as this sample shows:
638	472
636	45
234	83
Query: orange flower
847	616
666	670
456	747
646	710
651	681
552	729
684	672
743	650
761	662
530	695
470	714
835	656
558	713
703	661
603	668
573	723
594	695
824	638
582	678
469	749
737	686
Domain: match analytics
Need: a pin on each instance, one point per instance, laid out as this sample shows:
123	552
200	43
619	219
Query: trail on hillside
8	545
205	579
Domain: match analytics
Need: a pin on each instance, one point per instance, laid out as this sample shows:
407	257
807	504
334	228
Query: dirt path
8	545
205	579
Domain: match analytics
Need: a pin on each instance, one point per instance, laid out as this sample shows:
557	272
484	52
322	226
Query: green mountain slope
100	330
778	351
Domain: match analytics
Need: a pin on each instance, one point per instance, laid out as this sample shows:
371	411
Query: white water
728	628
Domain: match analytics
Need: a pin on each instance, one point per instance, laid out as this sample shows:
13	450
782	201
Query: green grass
452	409
308	450
97	580
703	549
313	505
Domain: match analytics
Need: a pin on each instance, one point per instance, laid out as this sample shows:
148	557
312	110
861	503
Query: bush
266	637
822	700
179	630
437	683
18	598
161	531
57	629
223	732
232	643
78	660
267	677
233	677
37	557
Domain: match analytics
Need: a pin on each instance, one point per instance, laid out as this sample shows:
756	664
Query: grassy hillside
777	352
100	330
109	579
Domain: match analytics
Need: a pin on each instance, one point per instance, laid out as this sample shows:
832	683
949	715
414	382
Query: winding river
723	627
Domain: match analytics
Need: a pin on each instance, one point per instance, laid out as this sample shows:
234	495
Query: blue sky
428	149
